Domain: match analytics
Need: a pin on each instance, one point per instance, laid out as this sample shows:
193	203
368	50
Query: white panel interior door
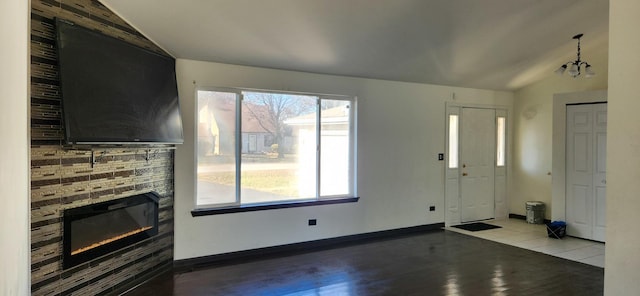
586	174
600	172
477	164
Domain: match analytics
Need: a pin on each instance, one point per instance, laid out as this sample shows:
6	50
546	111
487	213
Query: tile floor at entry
519	233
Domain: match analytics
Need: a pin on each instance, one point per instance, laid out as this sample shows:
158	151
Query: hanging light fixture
574	67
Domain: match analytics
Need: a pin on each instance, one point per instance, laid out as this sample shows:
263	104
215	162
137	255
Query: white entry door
477	164
586	170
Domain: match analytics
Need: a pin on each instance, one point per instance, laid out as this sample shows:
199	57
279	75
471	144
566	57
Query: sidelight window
453	141
501	146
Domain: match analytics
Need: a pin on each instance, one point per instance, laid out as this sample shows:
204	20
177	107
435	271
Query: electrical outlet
312	222
432	208
440	156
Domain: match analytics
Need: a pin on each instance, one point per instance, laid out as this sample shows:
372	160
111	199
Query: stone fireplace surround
64	177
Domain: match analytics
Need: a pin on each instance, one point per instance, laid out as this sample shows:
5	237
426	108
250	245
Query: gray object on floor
535	212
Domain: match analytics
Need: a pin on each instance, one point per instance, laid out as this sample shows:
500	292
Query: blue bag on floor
556	229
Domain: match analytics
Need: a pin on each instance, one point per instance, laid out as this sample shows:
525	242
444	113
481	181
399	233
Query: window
262	147
453	141
501	144
268	140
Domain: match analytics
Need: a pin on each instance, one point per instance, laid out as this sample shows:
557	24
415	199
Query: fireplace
98	229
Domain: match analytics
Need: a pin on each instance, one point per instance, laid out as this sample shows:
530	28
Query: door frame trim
558	153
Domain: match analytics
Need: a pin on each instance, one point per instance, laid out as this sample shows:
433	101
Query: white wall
533	126
15	256
400	132
623	150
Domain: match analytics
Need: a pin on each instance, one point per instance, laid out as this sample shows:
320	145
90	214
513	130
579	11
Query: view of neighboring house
334	140
216	130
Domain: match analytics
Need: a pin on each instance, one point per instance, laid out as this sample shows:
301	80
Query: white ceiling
491	44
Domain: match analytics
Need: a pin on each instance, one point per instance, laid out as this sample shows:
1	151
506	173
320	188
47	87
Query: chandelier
574	67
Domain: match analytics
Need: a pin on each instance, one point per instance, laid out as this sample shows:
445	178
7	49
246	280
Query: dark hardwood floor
434	263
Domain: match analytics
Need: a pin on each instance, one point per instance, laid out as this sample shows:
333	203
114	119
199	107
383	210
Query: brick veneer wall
66	177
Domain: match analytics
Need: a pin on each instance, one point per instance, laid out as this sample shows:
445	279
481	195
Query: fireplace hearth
98	229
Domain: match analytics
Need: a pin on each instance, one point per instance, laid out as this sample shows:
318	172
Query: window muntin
306	160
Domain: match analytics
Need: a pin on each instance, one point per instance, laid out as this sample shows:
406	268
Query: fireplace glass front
98	229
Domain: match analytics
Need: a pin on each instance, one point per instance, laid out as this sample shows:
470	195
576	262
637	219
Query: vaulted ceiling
490	44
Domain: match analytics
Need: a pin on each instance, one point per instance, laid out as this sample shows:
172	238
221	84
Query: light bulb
574	70
561	70
588	72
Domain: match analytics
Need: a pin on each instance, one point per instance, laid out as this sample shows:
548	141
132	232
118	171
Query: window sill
262	207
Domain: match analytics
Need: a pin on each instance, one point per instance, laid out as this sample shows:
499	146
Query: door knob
464	174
